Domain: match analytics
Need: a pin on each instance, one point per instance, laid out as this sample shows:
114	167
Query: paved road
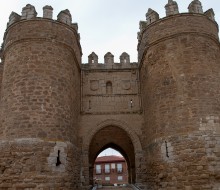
116	188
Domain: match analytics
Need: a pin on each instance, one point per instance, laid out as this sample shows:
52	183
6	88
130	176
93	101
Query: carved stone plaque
94	85
126	84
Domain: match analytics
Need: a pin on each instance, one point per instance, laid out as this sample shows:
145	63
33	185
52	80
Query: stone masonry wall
40	106
40	81
161	113
1	76
111	114
31	164
110	91
180	90
175	25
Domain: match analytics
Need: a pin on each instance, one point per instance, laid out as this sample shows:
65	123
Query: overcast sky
109	152
104	25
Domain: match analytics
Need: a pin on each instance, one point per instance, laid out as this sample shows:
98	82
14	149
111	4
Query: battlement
29	27
154	28
195	7
109	62
29	13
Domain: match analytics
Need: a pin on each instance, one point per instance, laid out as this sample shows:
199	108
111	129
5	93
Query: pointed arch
111	122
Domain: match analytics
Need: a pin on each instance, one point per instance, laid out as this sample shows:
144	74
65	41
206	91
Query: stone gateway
162	112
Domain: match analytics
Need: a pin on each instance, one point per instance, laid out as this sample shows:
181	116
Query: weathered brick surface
99	98
40	100
41	84
176	25
31	164
161	113
180	90
1	75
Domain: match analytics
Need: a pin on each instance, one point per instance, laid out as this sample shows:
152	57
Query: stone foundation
32	164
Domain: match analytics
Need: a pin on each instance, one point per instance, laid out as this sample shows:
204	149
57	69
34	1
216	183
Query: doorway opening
116	138
110	169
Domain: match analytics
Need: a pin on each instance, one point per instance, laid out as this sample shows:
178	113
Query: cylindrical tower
40	101
179	66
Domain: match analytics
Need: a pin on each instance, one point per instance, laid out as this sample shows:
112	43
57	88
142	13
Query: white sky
104	25
109	152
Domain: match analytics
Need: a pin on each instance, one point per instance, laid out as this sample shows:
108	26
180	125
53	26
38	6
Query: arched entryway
116	135
117	138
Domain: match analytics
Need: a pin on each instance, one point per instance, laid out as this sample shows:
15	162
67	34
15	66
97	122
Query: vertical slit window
108	87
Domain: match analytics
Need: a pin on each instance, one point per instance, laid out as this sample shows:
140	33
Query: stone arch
87	167
121	124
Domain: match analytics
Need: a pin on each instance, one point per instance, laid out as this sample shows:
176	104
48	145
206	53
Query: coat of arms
94	85
126	84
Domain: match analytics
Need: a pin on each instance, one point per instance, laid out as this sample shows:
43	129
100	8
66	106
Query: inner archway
112	137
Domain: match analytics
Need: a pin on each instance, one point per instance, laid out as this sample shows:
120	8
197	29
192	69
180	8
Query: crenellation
48	12
151	16
28	12
109	62
142	25
210	14
65	17
109	58
171	8
124	58
195	7
75	26
93	58
14	17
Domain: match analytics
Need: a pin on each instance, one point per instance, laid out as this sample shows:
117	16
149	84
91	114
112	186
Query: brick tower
179	59
162	112
40	101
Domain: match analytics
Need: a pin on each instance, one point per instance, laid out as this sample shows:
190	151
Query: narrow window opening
89	104
125	61
93	61
58	159
167	154
131	103
108	87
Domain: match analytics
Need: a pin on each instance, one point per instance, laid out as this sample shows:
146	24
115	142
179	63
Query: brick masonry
180	85
162	113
